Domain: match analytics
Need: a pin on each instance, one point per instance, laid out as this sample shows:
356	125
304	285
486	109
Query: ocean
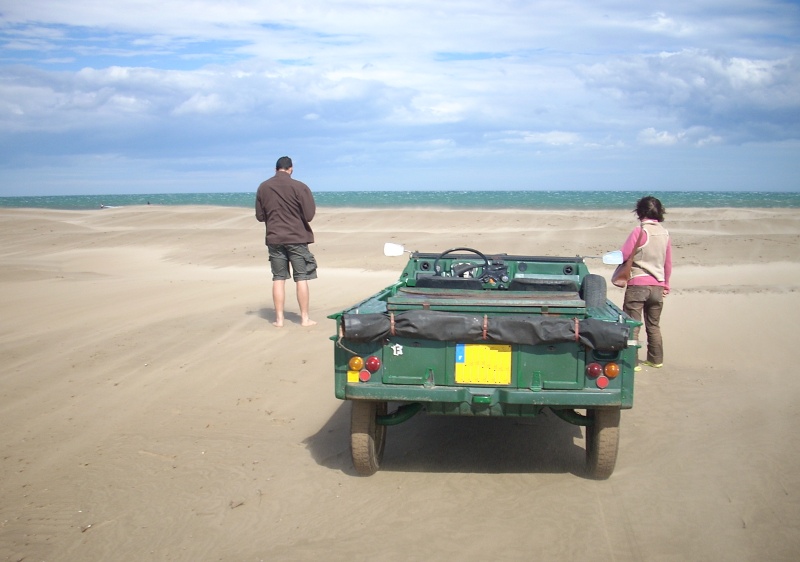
551	200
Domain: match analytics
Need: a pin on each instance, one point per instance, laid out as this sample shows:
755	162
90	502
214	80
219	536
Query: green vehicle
462	333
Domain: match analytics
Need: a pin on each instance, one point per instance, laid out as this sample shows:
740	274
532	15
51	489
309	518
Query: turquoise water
577	200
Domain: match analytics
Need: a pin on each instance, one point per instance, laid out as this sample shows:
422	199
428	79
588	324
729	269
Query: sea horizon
507	199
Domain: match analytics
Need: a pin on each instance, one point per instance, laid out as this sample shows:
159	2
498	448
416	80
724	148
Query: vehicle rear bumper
489	396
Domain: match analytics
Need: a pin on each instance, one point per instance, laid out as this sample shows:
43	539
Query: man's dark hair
284	163
650	208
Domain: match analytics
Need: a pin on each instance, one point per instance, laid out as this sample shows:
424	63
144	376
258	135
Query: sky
175	96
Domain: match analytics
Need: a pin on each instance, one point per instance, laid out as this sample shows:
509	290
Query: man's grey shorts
304	264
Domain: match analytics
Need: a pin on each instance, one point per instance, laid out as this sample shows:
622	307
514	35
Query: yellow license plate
478	363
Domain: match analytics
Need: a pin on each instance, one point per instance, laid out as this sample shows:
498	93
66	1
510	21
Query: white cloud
659	138
739	98
550	138
200	103
695	136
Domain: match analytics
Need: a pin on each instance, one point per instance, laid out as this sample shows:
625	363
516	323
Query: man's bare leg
279	299
303	300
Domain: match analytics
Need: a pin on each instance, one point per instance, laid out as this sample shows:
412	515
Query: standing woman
650	274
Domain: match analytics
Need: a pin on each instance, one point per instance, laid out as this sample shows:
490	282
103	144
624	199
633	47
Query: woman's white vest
650	257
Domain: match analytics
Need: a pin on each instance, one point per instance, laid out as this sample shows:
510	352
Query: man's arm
309	205
259	208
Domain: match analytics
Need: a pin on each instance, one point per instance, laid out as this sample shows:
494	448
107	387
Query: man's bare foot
307	322
278	323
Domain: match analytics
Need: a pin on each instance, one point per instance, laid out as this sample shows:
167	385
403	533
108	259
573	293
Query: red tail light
602	374
365	369
594	370
373	364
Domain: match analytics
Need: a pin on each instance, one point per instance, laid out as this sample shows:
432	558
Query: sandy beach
149	410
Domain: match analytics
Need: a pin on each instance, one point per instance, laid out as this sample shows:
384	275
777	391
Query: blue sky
140	96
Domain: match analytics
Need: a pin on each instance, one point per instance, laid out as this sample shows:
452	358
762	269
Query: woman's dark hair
650	208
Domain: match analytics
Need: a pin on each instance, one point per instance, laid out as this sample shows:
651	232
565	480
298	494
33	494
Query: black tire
367	438
602	442
594	290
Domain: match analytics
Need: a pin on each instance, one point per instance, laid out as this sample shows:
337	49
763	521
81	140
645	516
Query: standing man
286	206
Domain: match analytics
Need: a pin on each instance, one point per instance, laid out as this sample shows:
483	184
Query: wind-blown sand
149	410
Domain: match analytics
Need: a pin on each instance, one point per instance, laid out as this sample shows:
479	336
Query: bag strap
638	240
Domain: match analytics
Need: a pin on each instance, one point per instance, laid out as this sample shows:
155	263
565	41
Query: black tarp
509	329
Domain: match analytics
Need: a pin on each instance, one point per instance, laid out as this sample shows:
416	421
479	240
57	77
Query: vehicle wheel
602	442
594	291
367	438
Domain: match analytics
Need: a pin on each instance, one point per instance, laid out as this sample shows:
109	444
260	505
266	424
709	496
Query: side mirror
613	258
392	250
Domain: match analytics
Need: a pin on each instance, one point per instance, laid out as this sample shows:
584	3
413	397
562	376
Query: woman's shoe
651	364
